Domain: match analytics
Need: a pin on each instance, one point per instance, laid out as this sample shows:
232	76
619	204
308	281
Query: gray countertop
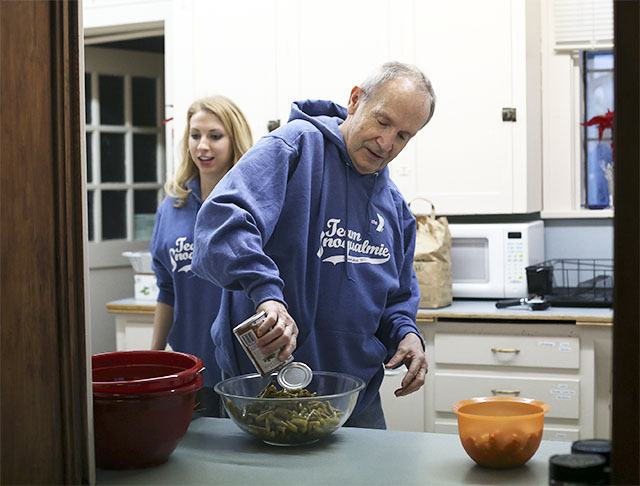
215	451
486	309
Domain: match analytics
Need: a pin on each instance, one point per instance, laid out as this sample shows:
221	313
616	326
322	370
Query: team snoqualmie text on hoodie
195	301
294	222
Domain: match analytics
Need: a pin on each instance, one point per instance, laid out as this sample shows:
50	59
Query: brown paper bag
432	259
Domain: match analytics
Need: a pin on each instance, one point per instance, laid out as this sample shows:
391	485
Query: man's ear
354	99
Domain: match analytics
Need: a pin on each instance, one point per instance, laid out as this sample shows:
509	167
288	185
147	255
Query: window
597	69
125	143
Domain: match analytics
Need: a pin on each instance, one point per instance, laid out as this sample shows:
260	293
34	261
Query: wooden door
44	419
625	413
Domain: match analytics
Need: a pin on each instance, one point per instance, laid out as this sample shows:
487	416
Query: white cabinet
482	57
566	366
401	413
134	323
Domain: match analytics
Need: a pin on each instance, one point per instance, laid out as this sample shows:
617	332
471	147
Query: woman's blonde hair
237	129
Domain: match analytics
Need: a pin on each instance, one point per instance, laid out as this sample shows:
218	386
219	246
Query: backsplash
578	238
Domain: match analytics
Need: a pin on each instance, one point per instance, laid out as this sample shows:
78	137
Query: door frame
46	420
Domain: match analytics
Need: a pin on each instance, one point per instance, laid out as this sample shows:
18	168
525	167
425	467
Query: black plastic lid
593	446
577	468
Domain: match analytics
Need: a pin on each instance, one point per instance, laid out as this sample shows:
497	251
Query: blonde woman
216	136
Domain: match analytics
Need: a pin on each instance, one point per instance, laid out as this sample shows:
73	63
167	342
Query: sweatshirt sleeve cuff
165	297
266	292
407	329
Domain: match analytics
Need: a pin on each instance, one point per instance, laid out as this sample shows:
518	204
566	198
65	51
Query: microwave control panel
515	263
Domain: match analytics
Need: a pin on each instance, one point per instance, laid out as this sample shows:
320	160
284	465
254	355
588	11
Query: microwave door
477	264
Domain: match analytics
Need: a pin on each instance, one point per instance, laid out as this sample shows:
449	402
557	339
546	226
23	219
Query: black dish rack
573	282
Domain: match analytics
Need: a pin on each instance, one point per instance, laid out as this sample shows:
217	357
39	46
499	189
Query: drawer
505	350
550	432
561	394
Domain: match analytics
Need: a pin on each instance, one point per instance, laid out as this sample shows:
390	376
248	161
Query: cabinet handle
506	392
505	350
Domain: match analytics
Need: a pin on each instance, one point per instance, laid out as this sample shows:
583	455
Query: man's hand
411	354
277	331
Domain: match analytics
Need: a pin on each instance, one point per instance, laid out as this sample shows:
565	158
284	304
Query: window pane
144	158
111	100
599	60
112	157
143	95
599	175
599	93
90	213
87	97
89	158
114	218
145	205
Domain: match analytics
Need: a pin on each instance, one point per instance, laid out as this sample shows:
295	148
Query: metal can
294	376
246	333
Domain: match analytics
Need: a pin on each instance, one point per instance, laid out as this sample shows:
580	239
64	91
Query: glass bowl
290	421
500	432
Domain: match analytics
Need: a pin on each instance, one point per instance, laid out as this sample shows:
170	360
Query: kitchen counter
486	310
216	451
131	306
459	309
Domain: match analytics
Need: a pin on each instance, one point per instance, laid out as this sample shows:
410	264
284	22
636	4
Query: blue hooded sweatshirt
195	301
294	222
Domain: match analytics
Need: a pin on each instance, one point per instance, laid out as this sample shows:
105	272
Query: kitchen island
216	451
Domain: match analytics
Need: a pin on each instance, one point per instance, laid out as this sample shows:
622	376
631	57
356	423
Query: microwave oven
489	260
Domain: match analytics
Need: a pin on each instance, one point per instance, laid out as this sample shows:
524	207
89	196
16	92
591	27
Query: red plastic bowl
136	431
143	371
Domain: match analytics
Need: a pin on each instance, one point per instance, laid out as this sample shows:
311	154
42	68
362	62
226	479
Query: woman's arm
162	321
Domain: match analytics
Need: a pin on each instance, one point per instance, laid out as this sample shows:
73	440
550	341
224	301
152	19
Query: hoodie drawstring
346	224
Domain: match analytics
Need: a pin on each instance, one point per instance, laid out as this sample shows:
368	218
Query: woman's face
209	144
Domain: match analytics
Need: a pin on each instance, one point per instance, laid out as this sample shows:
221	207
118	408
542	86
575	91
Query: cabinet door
134	331
226	48
401	413
326	48
465	156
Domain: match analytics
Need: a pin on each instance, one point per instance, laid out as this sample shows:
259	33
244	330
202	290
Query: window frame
584	133
129	64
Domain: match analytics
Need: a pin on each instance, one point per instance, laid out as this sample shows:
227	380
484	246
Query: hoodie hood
326	116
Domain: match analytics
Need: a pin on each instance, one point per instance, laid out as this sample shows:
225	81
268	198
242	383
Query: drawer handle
505	350
515	393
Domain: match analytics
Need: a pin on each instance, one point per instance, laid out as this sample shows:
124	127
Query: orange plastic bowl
500	432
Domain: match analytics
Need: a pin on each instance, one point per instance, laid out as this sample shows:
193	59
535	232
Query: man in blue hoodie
309	228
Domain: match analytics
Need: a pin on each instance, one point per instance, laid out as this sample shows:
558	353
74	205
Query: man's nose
386	142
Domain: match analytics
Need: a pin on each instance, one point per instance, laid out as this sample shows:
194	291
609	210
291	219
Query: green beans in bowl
290	417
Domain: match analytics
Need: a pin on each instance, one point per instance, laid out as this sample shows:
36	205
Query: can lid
294	375
593	446
577	468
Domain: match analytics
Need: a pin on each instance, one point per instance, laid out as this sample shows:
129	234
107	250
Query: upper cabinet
481	153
